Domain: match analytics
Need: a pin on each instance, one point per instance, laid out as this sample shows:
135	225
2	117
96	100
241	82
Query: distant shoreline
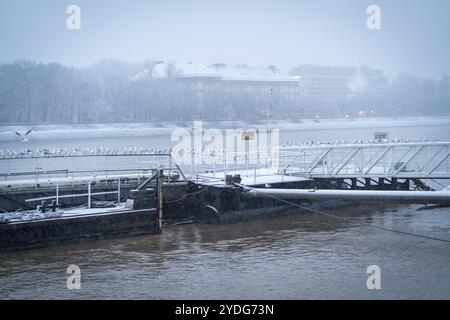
111	130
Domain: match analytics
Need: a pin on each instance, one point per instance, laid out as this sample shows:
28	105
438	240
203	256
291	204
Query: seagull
24	136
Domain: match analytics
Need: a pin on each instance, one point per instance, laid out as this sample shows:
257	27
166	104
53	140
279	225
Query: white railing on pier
400	160
425	160
80	169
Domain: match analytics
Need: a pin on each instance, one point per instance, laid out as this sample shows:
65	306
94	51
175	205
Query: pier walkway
399	160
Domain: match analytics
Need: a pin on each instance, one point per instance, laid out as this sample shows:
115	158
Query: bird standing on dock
24	136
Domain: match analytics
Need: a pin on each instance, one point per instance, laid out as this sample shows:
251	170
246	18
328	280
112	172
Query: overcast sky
414	36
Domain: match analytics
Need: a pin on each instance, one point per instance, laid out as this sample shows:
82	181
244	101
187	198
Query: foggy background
105	72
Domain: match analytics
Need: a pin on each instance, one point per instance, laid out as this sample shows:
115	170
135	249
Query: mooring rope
344	219
188	194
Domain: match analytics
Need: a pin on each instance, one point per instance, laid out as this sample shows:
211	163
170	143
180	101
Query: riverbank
111	130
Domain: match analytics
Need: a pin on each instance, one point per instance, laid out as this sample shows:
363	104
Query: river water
302	256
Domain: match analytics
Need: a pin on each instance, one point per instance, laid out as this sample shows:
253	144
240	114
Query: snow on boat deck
34	215
249	177
18	183
86	211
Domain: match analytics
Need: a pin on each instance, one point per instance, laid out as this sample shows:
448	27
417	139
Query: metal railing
402	160
89	195
80	168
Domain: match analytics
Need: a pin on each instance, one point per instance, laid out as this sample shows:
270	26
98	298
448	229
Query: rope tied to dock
342	218
188	194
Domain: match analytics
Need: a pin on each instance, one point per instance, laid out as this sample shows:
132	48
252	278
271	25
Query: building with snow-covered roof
220	80
308	90
222	71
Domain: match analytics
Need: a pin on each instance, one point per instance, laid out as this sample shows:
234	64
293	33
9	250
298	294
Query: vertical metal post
354	184
57	193
118	191
160	198
269	135
36	170
89	194
367	185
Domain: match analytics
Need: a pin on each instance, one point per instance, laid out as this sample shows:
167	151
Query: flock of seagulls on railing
66	152
206	152
344	142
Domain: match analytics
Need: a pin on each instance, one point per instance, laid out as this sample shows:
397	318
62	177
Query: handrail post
36	172
57	193
89	194
118	191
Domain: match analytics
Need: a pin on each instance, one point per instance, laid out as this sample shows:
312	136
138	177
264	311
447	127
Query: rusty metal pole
160	198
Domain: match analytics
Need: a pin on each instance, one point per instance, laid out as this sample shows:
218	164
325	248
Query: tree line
36	93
